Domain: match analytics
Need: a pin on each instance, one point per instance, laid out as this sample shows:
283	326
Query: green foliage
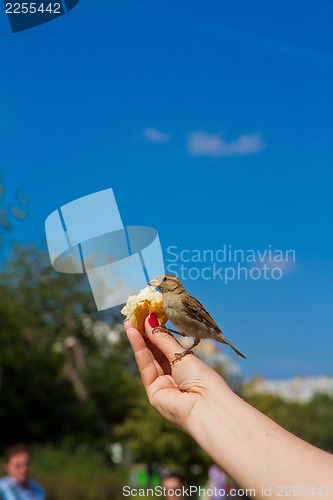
9	212
59	379
311	421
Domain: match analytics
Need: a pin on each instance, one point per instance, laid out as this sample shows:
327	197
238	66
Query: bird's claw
180	356
159	329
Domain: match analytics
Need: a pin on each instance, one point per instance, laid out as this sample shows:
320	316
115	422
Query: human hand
247	445
180	391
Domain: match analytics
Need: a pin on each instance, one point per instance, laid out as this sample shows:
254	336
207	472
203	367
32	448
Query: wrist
211	410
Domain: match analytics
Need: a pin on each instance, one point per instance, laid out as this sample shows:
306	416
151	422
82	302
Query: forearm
256	452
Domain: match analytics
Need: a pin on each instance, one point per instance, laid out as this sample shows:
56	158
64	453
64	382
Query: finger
160	357
149	368
163	341
157	354
185	371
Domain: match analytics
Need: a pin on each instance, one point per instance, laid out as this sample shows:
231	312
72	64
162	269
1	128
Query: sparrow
187	314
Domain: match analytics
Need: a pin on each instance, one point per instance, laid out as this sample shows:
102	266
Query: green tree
59	378
311	421
10	212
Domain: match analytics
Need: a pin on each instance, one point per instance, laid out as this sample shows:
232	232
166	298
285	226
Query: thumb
186	372
165	342
189	373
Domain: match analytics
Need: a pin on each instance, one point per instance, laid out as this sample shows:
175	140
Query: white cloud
201	143
154	135
285	265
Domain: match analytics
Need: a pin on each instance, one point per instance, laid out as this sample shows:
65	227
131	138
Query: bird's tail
220	338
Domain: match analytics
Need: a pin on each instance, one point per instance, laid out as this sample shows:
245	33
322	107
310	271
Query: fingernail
152	320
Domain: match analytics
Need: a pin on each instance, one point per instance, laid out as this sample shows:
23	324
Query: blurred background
213	124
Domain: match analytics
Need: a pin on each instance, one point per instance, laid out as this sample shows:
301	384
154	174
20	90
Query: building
300	389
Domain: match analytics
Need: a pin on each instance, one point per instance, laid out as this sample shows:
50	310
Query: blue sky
212	122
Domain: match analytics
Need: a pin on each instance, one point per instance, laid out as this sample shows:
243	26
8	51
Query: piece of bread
138	307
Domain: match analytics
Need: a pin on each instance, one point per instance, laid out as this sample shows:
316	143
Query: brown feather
196	310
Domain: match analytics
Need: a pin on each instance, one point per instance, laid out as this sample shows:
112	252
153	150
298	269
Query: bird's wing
197	311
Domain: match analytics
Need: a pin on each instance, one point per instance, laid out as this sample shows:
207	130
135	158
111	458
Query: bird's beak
154	282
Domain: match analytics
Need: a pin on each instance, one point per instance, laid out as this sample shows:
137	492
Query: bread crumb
138	307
